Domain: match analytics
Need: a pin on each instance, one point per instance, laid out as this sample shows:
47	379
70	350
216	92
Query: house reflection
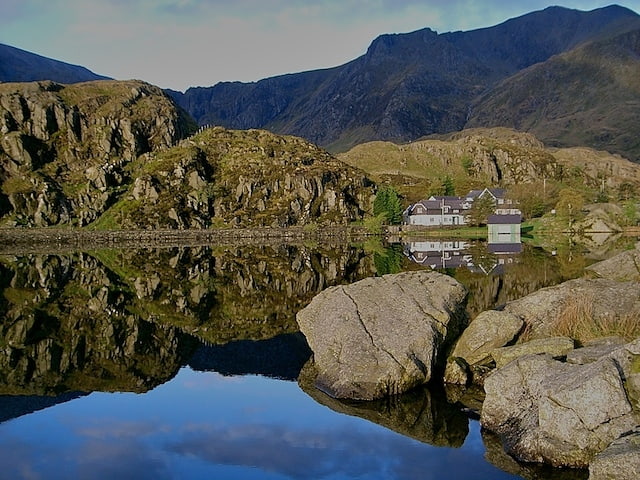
439	254
488	258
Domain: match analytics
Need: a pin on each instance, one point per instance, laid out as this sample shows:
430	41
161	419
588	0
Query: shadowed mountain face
18	65
415	84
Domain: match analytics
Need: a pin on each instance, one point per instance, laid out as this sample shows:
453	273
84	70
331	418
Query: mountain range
571	78
17	65
568	76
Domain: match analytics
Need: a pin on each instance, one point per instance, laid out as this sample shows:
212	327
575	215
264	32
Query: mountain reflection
118	320
127	320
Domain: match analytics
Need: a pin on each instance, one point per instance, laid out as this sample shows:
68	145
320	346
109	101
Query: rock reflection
66	327
127	320
495	454
233	293
422	414
280	357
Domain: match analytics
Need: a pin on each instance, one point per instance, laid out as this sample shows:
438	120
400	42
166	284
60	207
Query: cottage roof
504	219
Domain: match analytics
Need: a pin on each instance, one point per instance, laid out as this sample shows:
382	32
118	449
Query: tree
447	187
387	202
569	205
480	210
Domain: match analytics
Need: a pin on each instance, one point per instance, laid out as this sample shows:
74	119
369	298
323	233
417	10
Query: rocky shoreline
560	368
29	240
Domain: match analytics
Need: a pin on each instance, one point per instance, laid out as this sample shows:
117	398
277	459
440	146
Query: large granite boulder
623	267
557	413
381	336
576	305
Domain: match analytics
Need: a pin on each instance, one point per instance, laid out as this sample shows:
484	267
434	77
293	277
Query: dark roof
455	203
505	248
504	219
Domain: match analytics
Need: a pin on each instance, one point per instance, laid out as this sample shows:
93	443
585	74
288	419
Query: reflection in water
280	357
15	406
422	414
496	273
129	320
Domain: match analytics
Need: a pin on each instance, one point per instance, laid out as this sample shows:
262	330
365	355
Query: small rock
595	350
489	330
557	347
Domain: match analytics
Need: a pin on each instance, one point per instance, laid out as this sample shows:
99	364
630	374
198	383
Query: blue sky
182	43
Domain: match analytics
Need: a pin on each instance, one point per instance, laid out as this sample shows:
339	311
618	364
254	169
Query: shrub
579	321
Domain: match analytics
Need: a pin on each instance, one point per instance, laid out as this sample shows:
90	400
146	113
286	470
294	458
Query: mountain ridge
17	65
406	85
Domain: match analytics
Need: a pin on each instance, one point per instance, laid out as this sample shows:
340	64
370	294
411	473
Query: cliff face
64	149
246	178
71	153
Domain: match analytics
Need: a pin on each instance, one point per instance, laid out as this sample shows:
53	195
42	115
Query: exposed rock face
69	153
557	413
489	330
620	461
381	336
64	150
247	178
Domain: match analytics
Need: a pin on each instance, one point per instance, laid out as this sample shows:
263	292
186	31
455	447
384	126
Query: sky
182	43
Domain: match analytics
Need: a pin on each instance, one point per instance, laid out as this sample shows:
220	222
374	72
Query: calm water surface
187	363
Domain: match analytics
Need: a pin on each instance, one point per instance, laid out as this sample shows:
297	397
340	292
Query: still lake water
186	363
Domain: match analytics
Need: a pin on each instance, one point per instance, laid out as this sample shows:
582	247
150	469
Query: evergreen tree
447	187
387	202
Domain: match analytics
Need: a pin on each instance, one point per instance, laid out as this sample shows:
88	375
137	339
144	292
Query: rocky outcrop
71	153
241	178
557	413
488	331
381	336
64	149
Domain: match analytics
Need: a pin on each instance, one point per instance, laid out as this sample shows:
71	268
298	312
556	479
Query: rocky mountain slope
475	158
71	153
587	96
410	85
18	65
64	149
245	178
